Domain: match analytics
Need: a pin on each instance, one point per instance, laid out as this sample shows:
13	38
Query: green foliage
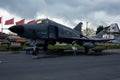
99	48
88	32
113	47
100	28
3	47
59	47
65	47
15	48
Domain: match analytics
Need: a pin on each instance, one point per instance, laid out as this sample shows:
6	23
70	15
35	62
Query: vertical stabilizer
114	28
78	28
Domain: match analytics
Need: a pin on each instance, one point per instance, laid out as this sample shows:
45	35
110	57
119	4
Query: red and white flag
30	22
20	22
10	21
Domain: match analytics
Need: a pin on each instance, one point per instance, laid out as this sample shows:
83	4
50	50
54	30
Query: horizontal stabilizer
100	34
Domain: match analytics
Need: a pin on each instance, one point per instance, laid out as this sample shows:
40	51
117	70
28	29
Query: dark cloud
23	8
67	9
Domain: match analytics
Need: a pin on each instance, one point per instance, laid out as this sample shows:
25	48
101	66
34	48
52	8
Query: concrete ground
20	66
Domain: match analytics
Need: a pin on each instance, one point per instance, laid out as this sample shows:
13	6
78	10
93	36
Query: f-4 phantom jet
51	32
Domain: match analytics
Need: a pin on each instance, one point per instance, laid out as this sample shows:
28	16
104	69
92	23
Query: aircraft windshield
42	21
39	22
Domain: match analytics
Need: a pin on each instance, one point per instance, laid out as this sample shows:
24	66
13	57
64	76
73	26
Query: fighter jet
50	32
113	32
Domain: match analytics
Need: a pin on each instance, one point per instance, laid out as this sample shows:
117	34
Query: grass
58	47
65	47
6	47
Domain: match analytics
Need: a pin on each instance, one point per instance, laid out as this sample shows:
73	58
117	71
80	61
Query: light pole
86	28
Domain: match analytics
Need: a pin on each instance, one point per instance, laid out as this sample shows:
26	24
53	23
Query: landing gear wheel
45	47
35	52
86	50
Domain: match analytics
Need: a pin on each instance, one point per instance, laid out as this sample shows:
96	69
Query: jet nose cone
17	29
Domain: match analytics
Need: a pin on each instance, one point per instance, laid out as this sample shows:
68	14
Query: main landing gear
87	50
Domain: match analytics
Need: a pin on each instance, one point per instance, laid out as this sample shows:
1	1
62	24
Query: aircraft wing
98	40
86	39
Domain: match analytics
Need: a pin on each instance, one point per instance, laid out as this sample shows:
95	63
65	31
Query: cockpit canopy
45	21
42	21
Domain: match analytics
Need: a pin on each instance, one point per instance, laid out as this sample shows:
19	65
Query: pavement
21	66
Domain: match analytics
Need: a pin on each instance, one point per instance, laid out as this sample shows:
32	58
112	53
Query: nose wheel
35	51
45	47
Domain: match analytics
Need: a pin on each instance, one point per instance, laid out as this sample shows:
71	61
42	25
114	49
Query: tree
88	32
100	28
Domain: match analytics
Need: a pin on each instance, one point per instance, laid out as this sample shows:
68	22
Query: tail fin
114	28
78	28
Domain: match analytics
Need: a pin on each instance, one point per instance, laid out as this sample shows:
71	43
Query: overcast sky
68	12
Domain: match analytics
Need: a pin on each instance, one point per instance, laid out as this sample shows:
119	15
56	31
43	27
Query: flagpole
2	27
1	24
